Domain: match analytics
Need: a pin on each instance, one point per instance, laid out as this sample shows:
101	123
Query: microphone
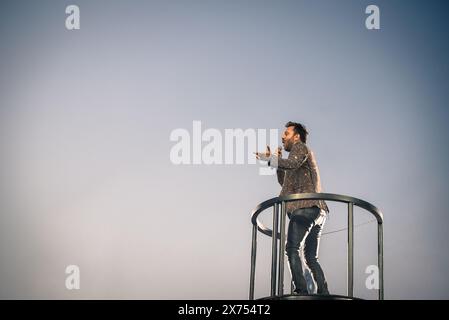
279	151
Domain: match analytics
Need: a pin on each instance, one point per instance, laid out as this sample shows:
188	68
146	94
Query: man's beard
287	146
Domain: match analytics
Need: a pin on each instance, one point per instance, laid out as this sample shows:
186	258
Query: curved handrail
279	206
311	196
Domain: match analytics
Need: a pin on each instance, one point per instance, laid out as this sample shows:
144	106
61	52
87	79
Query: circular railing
277	263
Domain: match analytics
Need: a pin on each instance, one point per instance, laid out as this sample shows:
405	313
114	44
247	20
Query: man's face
289	138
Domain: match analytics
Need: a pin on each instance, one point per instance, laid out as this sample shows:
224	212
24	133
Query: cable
355	226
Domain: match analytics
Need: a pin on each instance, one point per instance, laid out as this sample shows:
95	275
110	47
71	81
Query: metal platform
278	239
308	297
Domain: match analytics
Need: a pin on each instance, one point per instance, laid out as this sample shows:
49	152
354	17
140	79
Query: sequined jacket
299	174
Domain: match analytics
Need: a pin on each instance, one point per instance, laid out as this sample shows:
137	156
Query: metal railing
277	261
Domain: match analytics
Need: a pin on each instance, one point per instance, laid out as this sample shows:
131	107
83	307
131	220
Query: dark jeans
304	231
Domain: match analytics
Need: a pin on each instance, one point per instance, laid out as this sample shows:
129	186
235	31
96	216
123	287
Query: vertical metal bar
281	251
252	278
350	249
380	259
274	249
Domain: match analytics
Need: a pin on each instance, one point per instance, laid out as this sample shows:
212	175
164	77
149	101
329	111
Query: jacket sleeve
280	174
297	157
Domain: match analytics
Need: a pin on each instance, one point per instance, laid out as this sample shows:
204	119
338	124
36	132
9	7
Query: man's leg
311	249
298	229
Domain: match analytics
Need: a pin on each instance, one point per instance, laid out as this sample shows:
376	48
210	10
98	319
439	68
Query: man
299	174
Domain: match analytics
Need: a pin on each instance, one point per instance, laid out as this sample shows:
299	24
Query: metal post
282	251
253	263
274	249
350	249
380	259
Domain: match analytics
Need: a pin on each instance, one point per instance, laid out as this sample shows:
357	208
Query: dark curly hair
298	128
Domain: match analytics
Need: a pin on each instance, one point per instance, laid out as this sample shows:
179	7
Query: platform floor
309	297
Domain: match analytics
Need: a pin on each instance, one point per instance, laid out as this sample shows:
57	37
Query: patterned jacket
299	174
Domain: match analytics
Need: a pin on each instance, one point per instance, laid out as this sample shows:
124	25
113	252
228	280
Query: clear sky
86	116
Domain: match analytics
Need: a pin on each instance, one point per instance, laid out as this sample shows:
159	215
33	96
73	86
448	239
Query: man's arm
297	157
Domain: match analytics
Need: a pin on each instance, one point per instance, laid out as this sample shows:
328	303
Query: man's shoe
324	293
300	293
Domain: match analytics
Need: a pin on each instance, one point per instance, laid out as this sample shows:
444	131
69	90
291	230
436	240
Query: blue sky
86	116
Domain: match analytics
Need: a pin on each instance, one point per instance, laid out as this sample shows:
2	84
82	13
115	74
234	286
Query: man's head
293	133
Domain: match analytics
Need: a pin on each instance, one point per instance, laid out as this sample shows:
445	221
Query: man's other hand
264	156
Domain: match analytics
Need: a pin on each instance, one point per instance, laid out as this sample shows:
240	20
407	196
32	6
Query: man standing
299	174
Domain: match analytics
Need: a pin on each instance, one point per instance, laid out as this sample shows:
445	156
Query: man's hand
279	152
267	155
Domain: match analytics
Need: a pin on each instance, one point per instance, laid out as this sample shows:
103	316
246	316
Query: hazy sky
86	116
